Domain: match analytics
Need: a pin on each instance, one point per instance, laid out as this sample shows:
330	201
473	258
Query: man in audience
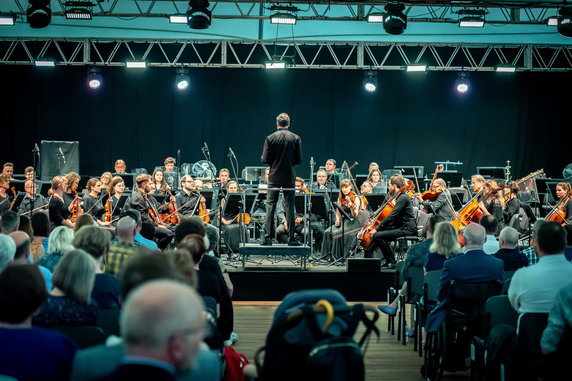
530	251
26	352
9	222
513	259
144	231
123	246
23	255
559	320
7	250
490	224
533	288
474	266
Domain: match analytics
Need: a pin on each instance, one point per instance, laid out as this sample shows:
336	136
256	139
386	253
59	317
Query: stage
270	273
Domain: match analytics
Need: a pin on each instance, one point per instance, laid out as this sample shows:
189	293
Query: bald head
475	235
508	238
125	229
22	241
163	319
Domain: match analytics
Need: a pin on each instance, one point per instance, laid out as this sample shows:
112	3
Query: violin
173	216
203	213
241	217
430	195
154	216
13	189
76	210
558	214
108	215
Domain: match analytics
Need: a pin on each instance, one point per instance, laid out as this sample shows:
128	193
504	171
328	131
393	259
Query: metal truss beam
297	55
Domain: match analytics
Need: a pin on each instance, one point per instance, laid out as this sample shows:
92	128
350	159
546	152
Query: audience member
508	241
69	301
445	245
533	288
144	231
123	246
36	247
23	255
7	250
41	227
559	320
568	249
491	224
26	226
106	288
9	222
185	265
83	220
530	251
59	244
26	352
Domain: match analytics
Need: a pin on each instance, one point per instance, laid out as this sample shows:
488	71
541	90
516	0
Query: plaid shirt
118	255
531	255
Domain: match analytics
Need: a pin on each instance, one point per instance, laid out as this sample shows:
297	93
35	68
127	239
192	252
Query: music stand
491	172
360	180
551	191
411	171
375	200
333	178
43	188
542	190
127	179
319	207
459	197
208	195
453	179
344	216
18	185
120	204
19	198
172	178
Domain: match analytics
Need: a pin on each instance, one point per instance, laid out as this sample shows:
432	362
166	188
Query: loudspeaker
58	158
364	265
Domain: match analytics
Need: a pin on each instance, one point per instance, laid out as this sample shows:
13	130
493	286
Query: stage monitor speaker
58	158
363	265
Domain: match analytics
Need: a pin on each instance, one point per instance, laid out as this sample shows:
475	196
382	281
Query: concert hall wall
413	118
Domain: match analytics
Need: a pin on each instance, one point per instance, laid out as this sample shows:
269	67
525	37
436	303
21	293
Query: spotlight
552	21
416	67
94	78
7	19
39	13
505	68
564	26
395	21
45	62
182	80
78	10
136	64
370	81
375	17
472	18
462	83
178	19
283	18
276	65
198	16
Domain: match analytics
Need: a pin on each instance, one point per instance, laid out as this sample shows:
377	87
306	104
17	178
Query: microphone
36	149
62	154
205	148
312	162
231	152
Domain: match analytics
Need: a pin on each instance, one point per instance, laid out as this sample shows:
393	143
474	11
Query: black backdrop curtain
413	118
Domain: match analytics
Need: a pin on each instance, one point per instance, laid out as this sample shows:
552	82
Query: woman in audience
445	245
83	220
184	263
26	352
35	247
59	244
69	302
41	228
106	288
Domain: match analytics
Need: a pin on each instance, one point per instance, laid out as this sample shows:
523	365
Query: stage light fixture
284	14
7	19
370	81
94	78
552	21
44	62
472	18
416	67
136	64
178	19
199	16
375	17
503	68
462	83
564	26
78	10
276	65
182	79
394	21
39	13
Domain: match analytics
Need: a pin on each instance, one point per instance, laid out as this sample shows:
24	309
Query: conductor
282	151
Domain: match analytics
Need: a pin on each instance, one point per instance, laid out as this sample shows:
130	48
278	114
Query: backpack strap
369	323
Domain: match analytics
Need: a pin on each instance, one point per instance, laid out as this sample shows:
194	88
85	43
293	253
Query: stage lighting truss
394	20
39	13
198	15
370	81
94	78
7	19
462	83
284	14
182	80
78	10
472	18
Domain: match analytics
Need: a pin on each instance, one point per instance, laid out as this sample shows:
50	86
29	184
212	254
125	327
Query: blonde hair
495	192
75	274
60	240
57	183
445	239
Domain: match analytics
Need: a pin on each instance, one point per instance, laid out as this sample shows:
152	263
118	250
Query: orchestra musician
92	201
229	219
8	170
512	203
442	205
158	179
373	165
330	166
321	180
224	176
120	167
353	206
188	197
477	183
170	175
376	181
30	173
492	202
565	200
72	183
366	187
57	210
5	199
117	187
147	205
399	223
106	178
32	200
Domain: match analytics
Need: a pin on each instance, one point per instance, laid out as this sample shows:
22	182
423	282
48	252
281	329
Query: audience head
84	219
60	240
508	238
26	226
126	229
213	236
22	292
183	262
145	266
22	241
550	239
135	215
93	240
195	245
432	223
9	222
490	223
163	319
475	235
74	275
445	239
7	250
40	224
192	225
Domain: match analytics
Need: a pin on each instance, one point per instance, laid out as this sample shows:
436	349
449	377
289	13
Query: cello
470	212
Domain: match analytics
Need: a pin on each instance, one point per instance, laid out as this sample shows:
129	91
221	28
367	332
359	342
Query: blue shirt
146	242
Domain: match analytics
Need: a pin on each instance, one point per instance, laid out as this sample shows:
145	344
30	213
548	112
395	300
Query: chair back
398	281
431	286
528	352
415	278
507	276
108	320
498	310
84	336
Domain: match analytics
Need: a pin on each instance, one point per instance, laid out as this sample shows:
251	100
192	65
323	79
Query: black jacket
282	151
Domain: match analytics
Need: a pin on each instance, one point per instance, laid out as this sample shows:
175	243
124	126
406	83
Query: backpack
234	364
311	338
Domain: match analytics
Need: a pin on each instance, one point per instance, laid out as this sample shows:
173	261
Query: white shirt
491	245
533	288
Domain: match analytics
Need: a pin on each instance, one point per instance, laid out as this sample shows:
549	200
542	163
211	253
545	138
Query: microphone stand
207	155
308	212
242	202
35	151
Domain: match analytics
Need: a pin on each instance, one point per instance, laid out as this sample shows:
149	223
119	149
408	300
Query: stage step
277	249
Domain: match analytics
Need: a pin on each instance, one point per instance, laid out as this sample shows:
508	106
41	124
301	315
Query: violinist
158	179
321	180
32	200
188	197
492	202
117	187
72	183
437	200
512	203
399	223
92	201
230	227
352	204
376	181
563	192
4	197
147	205
106	178
57	210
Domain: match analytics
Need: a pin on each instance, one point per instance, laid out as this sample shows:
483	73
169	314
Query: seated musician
171	174
399	223
442	205
8	170
492	202
565	200
376	181
120	167
330	166
92	201
117	187
366	187
71	192
188	197
32	200
512	203
477	183
158	179
224	176
106	178
373	165
30	173
321	180
147	205
57	210
315	225
5	199
230	226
